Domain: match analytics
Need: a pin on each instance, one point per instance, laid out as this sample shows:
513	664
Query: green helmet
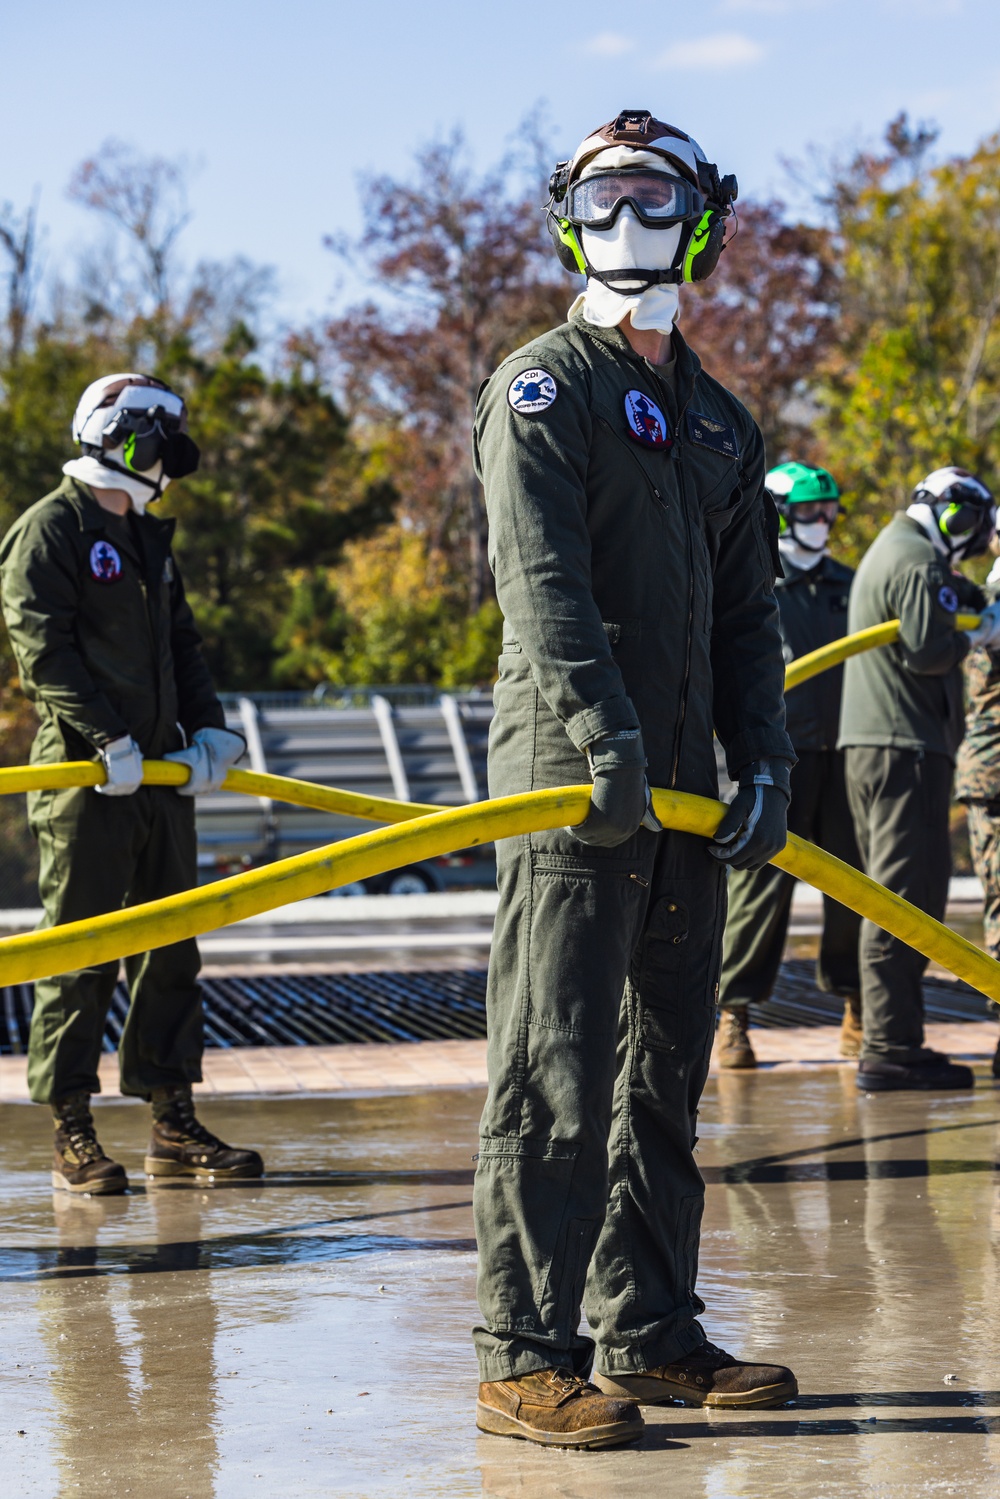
800	484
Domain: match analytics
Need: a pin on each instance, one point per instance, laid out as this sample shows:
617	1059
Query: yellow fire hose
415	833
852	645
431	832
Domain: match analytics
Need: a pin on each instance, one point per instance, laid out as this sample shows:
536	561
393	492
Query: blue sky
282	105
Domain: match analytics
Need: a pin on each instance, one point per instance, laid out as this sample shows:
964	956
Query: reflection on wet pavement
308	1334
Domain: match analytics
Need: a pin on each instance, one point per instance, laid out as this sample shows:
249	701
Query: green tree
914	382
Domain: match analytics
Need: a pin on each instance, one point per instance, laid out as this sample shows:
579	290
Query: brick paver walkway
423	1065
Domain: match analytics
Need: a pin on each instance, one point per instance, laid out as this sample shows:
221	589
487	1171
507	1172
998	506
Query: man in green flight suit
901	724
108	651
812	606
977	774
632	545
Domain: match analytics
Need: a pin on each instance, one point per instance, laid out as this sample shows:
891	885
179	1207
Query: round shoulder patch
948	599
646	422
105	562
531	391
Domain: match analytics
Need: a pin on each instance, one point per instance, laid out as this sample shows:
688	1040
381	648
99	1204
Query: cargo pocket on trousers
661	975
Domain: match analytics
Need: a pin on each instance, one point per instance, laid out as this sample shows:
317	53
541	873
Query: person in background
812	605
109	654
977	776
901	724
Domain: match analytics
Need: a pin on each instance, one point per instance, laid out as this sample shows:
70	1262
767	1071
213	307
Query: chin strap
156	485
638	280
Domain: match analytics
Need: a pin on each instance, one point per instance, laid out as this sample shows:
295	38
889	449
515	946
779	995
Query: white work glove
122	760
210	755
987	632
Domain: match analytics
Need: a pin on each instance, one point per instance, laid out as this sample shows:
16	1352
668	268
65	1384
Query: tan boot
732	1043
557	1409
851	1030
706	1376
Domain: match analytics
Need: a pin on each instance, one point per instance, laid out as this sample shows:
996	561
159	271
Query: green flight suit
630	542
106	645
977	778
901	724
812	606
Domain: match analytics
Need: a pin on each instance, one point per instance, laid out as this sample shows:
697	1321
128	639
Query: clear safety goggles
655	198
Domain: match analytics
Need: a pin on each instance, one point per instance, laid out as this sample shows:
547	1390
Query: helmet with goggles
688	190
964	510
812	491
133	424
807	501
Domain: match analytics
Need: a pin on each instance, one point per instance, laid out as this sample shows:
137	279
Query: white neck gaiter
91	471
628	242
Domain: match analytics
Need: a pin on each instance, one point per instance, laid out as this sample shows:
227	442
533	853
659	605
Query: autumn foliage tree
464	274
766	320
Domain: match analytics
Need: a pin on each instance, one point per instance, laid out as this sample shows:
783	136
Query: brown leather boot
706	1376
851	1030
180	1145
79	1164
558	1409
732	1043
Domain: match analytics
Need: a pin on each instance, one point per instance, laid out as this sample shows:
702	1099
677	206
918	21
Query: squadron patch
646	422
105	563
948	599
531	391
712	434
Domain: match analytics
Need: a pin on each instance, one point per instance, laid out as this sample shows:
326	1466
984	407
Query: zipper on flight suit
630	449
675	453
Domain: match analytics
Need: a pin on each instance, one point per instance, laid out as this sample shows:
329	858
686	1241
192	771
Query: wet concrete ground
308	1335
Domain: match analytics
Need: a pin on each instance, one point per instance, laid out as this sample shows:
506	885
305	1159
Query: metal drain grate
328	1009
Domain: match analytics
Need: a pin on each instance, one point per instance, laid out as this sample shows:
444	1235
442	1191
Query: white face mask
91	471
629	243
812	537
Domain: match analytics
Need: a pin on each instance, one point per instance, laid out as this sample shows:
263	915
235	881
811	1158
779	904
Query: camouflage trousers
984	842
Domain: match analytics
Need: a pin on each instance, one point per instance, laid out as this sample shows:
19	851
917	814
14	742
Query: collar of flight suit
148	543
687	368
93	517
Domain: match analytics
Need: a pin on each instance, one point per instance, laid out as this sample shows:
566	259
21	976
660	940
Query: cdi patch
531	391
105	563
646	422
948	599
709	433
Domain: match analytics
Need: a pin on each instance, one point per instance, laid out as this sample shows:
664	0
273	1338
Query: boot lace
182	1108
567	1383
77	1124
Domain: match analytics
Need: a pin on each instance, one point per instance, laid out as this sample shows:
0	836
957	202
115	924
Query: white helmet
142	417
964	510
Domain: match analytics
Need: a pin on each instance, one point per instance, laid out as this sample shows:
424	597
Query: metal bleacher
415	746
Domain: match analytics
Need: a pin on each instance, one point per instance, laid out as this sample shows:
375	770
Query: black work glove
621	801
754	828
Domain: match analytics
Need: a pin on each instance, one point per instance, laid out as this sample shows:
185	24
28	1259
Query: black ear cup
567	244
707	242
